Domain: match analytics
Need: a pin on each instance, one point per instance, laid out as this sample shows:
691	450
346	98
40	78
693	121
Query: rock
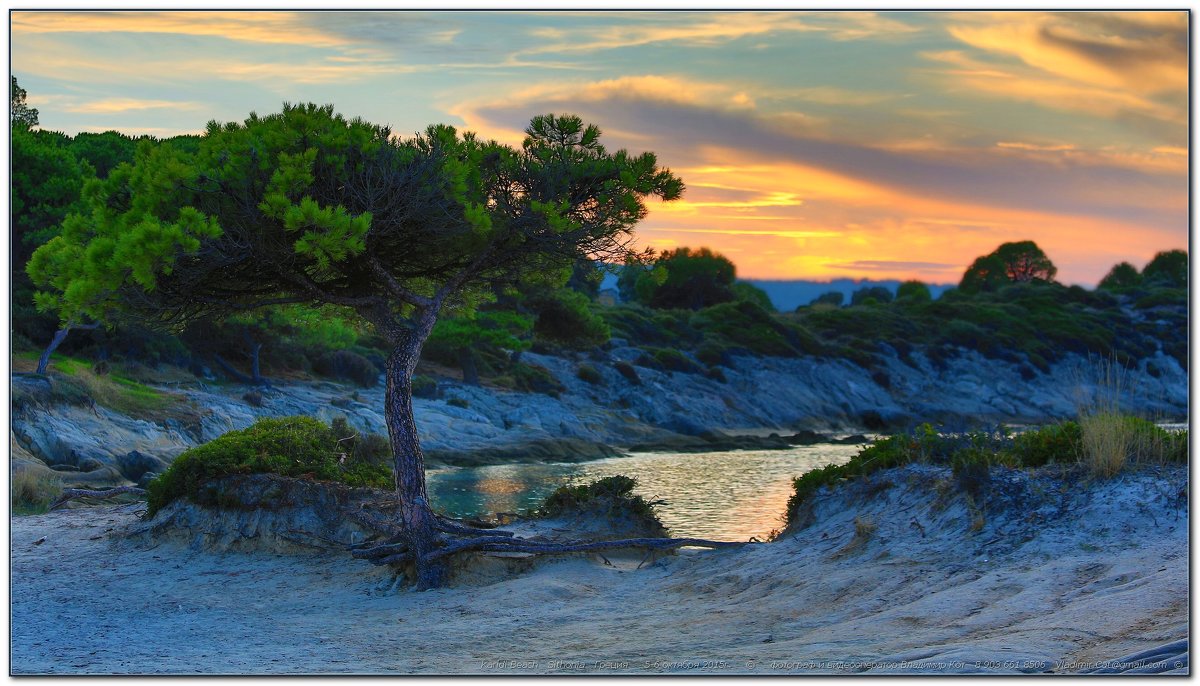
134	464
255	398
64	468
147	478
90	464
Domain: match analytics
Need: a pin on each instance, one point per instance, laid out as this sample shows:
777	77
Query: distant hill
787	295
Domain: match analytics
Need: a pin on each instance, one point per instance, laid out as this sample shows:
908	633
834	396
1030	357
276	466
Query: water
725	495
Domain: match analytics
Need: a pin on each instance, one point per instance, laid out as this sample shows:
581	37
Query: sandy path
1106	578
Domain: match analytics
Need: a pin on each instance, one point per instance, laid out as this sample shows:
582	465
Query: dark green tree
1168	268
1122	275
463	337
694	279
565	317
21	115
913	291
834	298
104	151
1024	261
870	294
305	206
1018	262
748	292
46	183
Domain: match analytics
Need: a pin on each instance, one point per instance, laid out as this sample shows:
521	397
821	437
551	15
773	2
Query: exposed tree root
74	493
520	545
459	539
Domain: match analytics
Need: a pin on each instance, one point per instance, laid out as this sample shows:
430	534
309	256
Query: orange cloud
853	229
1054	93
1075	50
254	27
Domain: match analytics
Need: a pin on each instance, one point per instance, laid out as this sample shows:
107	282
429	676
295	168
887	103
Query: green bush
372	449
669	360
458	402
589	374
1055	443
344	364
612	494
424	387
972	454
714	353
535	379
291	446
626	370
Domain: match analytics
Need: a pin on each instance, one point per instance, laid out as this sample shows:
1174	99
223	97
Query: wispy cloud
253	27
895	266
119	105
1022	84
664	27
1106	54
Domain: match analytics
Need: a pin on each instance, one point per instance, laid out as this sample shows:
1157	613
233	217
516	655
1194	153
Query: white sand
1099	572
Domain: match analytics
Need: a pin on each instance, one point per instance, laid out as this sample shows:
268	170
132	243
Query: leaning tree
305	206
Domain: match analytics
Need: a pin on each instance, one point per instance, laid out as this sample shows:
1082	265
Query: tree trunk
255	373
470	371
416	516
44	360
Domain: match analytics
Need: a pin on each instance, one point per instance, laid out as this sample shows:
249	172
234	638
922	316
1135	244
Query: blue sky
814	145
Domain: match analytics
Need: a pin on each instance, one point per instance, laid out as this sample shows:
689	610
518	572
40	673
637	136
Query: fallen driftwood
70	494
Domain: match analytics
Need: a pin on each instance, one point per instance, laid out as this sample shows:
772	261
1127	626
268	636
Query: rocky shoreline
763	403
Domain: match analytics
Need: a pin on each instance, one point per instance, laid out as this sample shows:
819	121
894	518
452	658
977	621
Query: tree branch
69	494
395	288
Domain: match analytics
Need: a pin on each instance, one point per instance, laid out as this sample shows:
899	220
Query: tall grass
1111	438
32	491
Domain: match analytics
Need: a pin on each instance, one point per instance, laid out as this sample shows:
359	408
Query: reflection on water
726	495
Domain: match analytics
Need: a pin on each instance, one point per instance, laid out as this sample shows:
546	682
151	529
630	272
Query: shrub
536	379
344	364
1055	443
669	360
368	449
716	374
713	353
913	290
290	446
864	295
589	374
424	387
626	370
458	402
32	492
746	325
611	496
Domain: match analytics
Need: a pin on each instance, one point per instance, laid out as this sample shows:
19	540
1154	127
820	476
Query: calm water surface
727	495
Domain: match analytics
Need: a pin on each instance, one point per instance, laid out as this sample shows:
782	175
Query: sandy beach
1055	579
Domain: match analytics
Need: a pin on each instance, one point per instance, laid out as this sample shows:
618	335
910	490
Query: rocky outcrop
666	410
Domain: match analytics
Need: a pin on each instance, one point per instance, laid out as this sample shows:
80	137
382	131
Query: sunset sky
813	145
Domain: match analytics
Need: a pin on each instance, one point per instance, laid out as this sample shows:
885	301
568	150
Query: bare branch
69	494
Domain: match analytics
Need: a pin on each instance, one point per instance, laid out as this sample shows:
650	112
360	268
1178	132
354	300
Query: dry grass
1107	438
1108	442
864	530
32	491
